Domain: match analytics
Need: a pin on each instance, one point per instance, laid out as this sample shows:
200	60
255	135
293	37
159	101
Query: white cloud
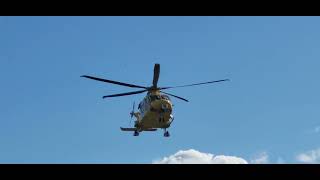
261	158
312	156
192	156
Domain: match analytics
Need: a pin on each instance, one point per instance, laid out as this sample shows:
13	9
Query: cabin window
154	97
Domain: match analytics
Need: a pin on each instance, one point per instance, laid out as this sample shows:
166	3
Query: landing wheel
136	133
166	134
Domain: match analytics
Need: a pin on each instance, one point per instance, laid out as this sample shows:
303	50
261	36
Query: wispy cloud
280	161
312	156
314	130
261	158
317	129
192	156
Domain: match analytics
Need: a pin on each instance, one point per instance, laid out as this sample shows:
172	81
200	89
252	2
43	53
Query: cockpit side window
165	97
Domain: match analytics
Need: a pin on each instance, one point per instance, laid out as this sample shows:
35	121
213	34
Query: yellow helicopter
155	110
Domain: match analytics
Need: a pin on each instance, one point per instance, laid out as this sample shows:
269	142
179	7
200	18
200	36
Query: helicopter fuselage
155	111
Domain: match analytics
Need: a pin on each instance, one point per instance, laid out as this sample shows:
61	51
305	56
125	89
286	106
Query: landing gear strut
161	118
166	133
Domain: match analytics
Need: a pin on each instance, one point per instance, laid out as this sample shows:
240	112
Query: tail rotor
132	112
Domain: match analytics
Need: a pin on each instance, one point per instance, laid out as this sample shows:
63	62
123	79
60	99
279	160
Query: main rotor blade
114	82
175	96
125	94
195	84
156	72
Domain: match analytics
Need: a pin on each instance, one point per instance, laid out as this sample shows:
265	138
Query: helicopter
156	109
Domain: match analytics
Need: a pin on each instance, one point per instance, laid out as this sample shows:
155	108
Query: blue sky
48	114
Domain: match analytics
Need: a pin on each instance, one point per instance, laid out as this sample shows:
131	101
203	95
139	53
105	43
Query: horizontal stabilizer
134	129
128	129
